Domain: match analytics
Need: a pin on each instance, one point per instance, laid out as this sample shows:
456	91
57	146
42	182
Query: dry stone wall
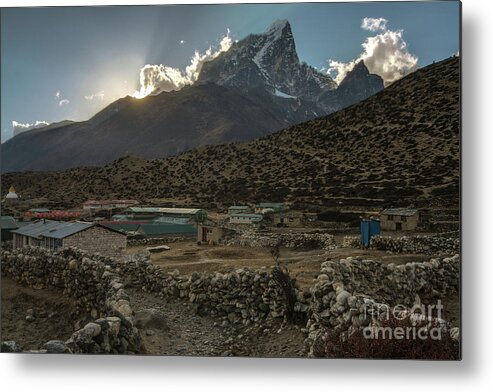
93	283
440	244
349	290
289	240
244	296
339	299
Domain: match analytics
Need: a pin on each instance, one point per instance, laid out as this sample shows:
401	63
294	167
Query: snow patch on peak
278	93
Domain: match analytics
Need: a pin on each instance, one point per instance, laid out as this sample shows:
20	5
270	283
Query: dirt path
181	331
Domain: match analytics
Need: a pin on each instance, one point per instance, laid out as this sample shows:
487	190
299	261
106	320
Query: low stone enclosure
438	244
338	300
289	240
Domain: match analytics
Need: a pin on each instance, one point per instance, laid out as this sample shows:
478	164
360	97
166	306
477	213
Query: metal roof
8	222
400	211
152	228
166	210
52	229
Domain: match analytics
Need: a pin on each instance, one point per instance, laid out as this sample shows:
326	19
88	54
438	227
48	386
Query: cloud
155	79
384	54
58	97
99	95
374	24
20	127
182	42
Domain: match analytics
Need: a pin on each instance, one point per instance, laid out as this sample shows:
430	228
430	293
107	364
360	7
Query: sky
62	63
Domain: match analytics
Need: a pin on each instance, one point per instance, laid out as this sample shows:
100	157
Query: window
403	218
390	217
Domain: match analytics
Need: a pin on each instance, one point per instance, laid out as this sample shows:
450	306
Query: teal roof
152	228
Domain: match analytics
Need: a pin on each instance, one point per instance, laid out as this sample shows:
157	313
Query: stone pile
289	240
92	281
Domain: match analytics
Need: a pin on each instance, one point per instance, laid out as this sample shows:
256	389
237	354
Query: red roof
89	202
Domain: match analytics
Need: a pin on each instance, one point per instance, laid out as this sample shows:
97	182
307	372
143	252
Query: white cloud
99	95
158	78
384	54
182	42
20	127
57	94
63	102
374	24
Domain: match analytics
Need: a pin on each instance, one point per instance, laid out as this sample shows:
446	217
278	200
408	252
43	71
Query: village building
211	233
95	205
263	208
7	224
245	218
238	210
89	237
289	219
177	215
397	219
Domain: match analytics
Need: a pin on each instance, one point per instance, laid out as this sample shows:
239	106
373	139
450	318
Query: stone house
397	219
87	236
212	233
288	219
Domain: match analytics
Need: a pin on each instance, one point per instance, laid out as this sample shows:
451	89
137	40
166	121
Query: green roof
153	228
8	222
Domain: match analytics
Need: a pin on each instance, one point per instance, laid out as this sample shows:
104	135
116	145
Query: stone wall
155	241
437	244
339	299
98	239
244	296
347	291
93	283
289	240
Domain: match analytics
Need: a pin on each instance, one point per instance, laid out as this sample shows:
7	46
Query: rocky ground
33	317
173	327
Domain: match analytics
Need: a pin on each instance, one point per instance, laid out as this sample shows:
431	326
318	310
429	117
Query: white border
83	373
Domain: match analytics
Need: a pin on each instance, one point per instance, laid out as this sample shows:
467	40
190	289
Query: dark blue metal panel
374	227
365	232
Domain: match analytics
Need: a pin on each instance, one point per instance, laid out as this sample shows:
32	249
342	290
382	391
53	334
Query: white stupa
12	195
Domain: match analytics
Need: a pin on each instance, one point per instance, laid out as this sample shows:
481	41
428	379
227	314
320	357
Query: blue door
374	227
